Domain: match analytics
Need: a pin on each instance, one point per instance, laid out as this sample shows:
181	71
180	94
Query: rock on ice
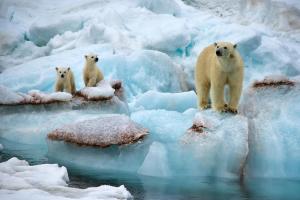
104	131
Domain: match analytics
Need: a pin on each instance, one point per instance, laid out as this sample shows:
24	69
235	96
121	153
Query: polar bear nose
218	52
62	76
96	59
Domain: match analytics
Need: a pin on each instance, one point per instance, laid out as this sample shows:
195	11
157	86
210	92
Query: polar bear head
91	58
62	72
225	49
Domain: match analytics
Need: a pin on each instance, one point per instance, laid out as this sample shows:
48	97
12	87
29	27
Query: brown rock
103	132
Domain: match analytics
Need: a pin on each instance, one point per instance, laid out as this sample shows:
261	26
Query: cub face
62	72
224	49
91	58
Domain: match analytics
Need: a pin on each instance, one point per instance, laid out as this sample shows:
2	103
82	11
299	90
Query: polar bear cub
65	80
218	65
91	73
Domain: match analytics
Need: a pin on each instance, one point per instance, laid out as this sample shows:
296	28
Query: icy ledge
9	97
219	144
107	95
273	111
18	180
103	91
153	100
103	131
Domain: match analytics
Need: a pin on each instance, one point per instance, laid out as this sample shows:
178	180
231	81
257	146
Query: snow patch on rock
103	90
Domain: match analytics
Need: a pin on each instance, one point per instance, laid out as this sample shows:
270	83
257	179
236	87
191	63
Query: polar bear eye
217	46
60	72
92	56
225	47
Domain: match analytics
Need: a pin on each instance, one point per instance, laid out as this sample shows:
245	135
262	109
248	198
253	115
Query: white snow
167	101
103	90
281	15
40	97
19	180
161	6
7	96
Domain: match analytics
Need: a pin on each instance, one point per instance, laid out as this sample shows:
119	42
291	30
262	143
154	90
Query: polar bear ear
85	56
216	44
234	46
56	68
69	68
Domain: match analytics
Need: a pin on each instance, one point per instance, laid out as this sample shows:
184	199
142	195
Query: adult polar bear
219	64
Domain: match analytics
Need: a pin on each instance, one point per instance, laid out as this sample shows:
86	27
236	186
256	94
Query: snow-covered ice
168	101
19	180
103	90
219	144
274	139
104	131
9	97
41	97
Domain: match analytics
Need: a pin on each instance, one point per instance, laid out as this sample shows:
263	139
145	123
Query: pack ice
19	180
152	46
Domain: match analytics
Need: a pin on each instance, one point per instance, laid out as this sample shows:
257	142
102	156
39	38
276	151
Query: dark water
152	188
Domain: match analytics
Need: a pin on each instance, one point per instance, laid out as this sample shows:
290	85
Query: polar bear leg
69	88
92	82
73	87
235	90
217	97
203	95
59	87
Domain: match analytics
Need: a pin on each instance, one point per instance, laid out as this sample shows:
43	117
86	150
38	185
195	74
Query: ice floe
19	180
272	107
